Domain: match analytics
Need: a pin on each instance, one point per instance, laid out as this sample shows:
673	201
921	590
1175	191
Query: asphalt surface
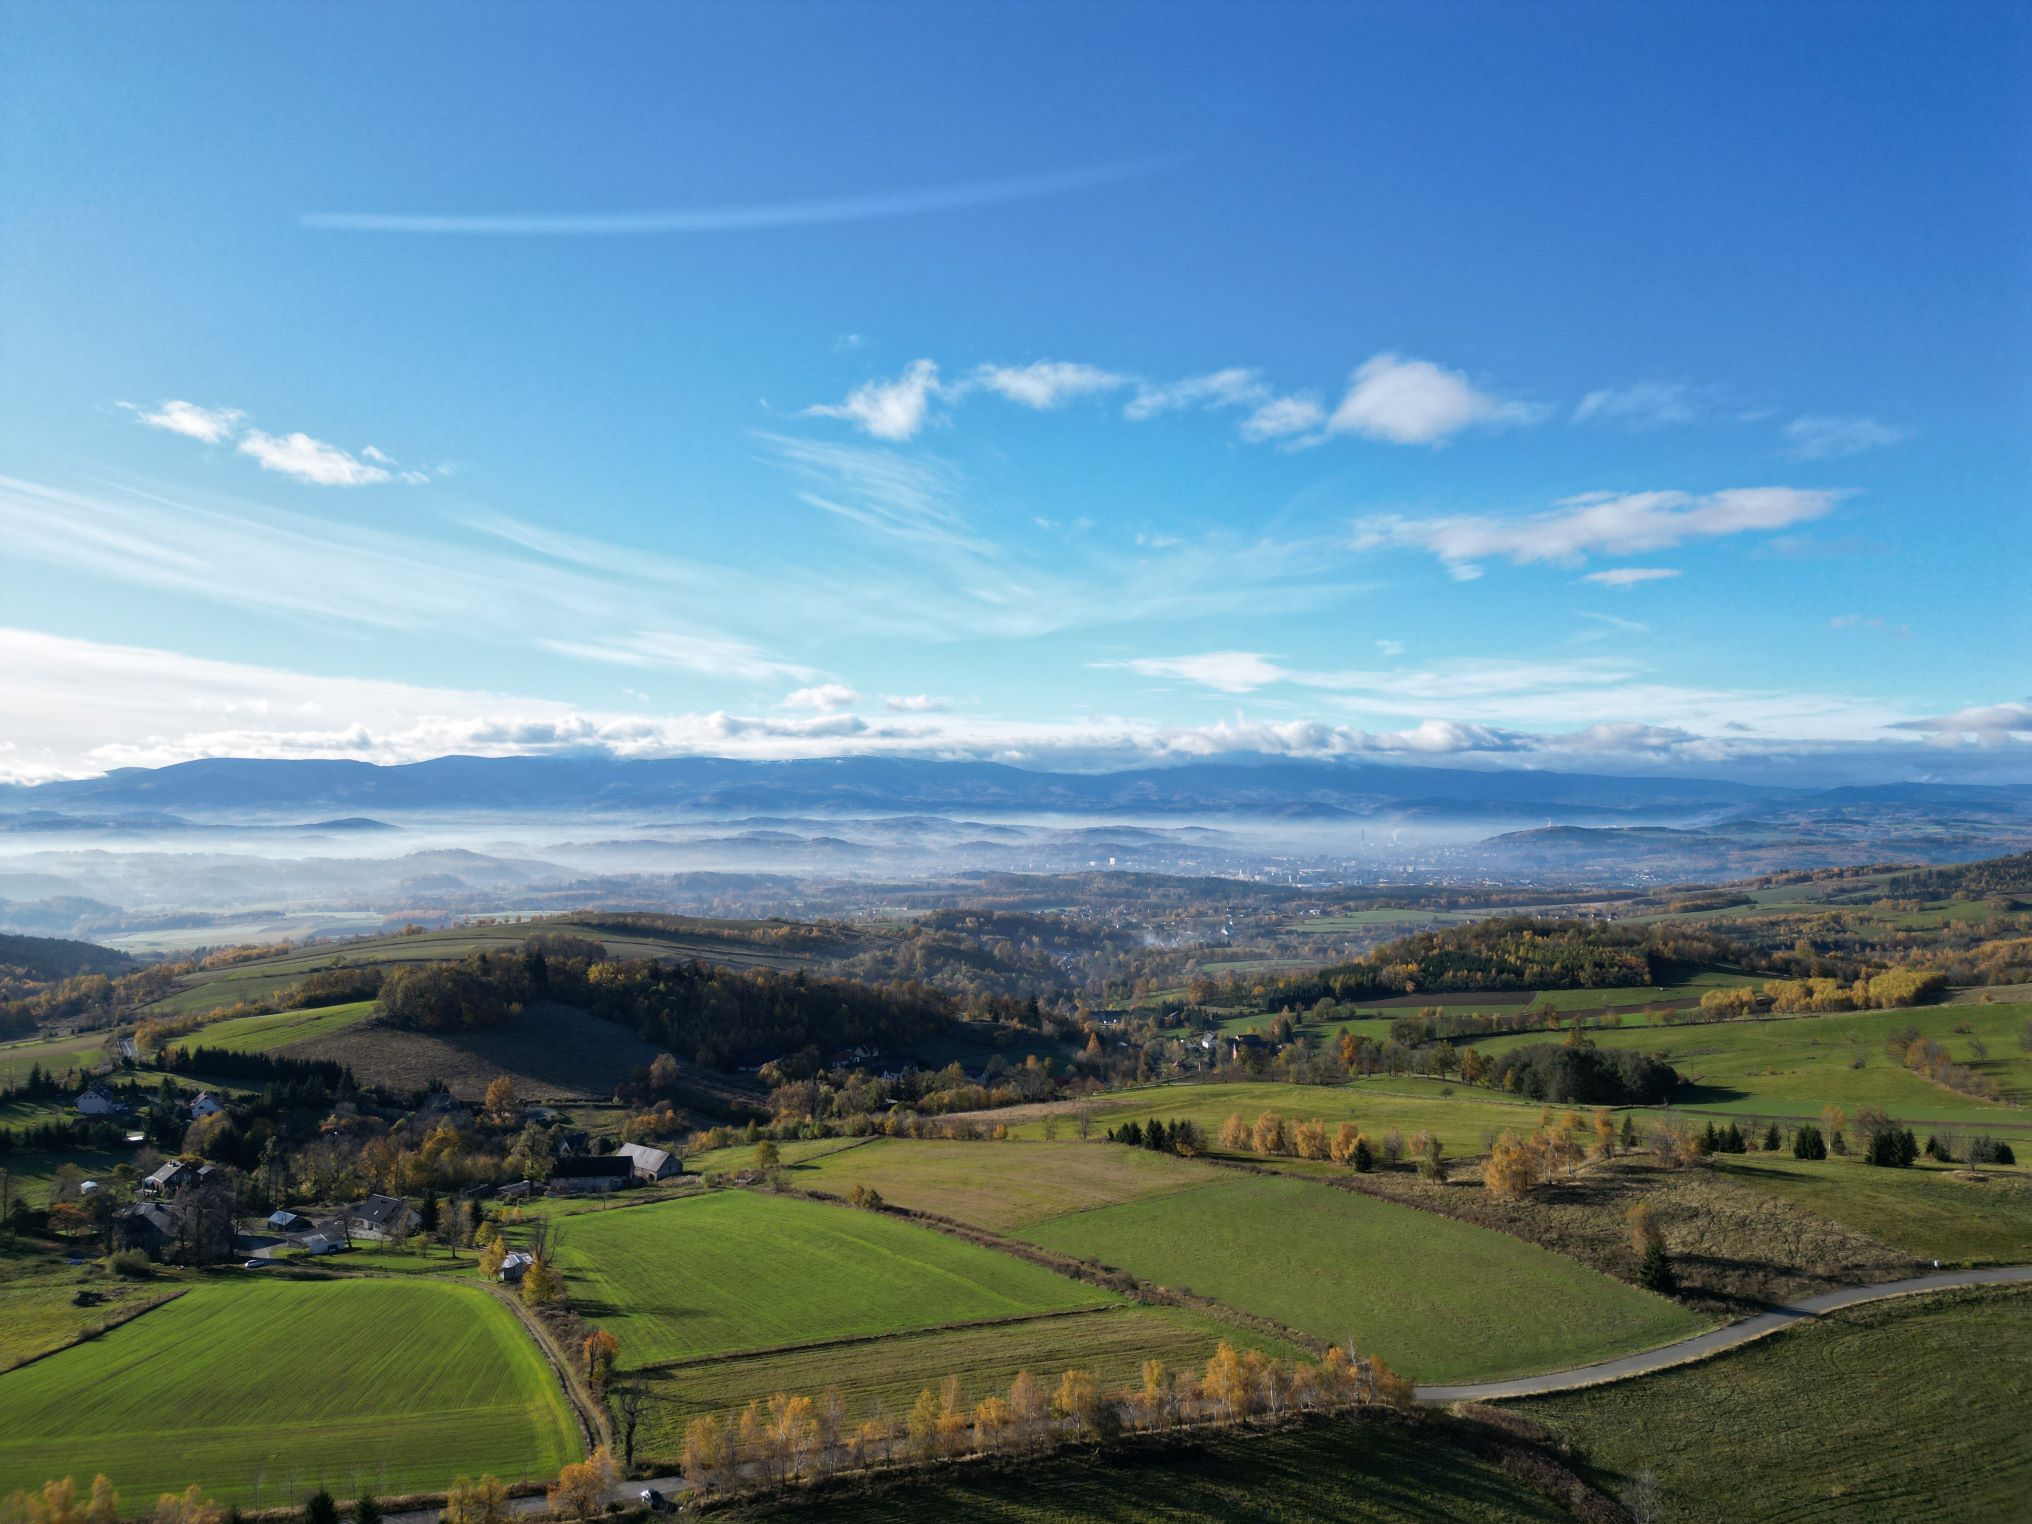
1700	1346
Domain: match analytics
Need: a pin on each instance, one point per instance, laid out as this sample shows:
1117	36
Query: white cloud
826	698
1647	405
914	703
209	425
681	651
1631	576
380	457
1225	671
1985	724
1047	383
1390	647
1237	386
309	460
893	410
1870	622
1597	524
1283	416
1416	402
1824	437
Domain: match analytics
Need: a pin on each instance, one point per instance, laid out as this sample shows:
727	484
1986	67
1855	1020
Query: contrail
734	219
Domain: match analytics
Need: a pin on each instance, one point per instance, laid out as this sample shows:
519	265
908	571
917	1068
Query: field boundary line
844	1341
88	1335
585	1410
1717	1341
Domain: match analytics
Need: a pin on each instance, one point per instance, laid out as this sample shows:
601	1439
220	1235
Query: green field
885	1375
1462	1120
1439	1300
263	1034
1001	1186
55	1054
1911	1409
1376	1472
38	1303
740	1270
261	1390
1792	1066
1925	1211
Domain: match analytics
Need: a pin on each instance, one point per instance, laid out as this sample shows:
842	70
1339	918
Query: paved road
1715	1341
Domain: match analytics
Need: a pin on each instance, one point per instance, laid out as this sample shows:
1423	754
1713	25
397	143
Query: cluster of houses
378	1219
98	1100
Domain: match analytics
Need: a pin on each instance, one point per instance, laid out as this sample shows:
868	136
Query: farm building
97	1101
169	1179
381	1217
514	1266
287	1222
515	1190
650	1163
321	1243
601	1172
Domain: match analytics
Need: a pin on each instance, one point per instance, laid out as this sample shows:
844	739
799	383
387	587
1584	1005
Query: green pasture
1925	1210
55	1055
885	1375
741	1270
1462	1120
1911	1409
1000	1186
262	1390
1440	1300
1794	1065
264	1034
39	1308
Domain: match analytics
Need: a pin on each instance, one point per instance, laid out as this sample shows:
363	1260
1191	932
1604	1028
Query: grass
264	1034
1793	1066
1377	1472
740	1270
1440	1300
1000	1186
58	1054
1376	1105
1925	1210
261	1390
1910	1409
38	1303
885	1375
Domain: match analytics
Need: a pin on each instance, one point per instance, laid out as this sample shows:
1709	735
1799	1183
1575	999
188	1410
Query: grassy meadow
1911	1409
264	1034
741	1270
264	1389
1928	1211
1438	1299
55	1054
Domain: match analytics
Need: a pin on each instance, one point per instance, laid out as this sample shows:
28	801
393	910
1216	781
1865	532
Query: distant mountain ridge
248	788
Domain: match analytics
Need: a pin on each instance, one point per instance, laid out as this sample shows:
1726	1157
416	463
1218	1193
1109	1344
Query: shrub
1807	1142
132	1264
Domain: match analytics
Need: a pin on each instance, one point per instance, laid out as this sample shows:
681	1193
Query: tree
491	1254
1027	1408
1430	1154
1342	1148
581	1488
366	1510
768	1155
631	1397
991	1422
1234	1133
541	1285
1268	1135
104	1505
501	1099
1226	1382
705	1450
1156	1397
1310	1140
481	1502
1078	1401
922	1425
663	1073
600	1350
191	1506
1654	1271
1645	1232
321	1508
1507	1171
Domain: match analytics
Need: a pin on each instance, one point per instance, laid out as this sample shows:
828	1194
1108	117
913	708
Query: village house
168	1179
205	1105
650	1163
381	1217
599	1172
148	1226
515	1266
95	1100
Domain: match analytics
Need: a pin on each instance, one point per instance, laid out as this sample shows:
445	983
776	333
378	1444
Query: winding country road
1713	1342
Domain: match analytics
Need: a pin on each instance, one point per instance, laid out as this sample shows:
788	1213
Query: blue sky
1579	386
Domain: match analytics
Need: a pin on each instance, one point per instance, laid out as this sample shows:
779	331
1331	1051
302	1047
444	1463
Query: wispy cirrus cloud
208	425
1596	523
1389	397
1826	437
1645	405
816	211
1631	576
